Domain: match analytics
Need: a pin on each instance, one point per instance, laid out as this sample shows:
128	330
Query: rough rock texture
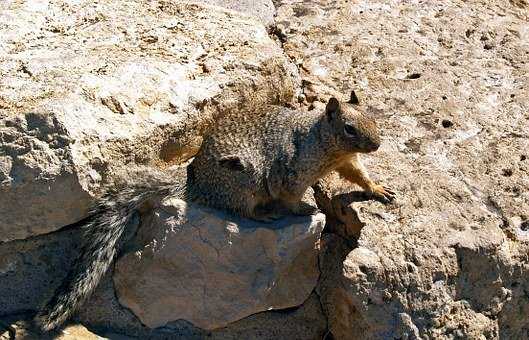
106	317
264	10
23	331
211	270
449	84
91	92
335	197
30	269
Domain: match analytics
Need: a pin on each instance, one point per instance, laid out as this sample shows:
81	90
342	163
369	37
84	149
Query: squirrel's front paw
382	193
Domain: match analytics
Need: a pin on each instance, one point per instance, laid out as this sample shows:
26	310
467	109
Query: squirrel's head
352	130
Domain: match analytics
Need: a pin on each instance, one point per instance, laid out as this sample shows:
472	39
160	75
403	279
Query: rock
78	332
22	330
421	290
264	10
31	269
335	197
211	269
104	314
93	93
306	322
447	83
334	300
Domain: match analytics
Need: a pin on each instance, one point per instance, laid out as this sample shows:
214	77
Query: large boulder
93	92
211	269
448	85
430	283
107	317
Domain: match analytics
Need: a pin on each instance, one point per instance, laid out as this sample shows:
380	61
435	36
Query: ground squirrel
254	165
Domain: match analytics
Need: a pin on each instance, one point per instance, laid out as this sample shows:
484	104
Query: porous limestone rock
210	269
92	92
264	10
448	83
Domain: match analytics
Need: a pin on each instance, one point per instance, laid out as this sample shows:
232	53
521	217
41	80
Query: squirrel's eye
349	130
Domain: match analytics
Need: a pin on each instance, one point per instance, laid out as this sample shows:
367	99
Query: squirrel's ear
354	99
332	108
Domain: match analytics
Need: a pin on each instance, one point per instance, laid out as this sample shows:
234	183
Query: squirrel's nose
374	144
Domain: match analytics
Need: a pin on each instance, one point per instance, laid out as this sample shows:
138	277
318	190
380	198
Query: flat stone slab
210	269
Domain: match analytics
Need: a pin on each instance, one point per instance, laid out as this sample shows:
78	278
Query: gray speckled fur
282	153
246	162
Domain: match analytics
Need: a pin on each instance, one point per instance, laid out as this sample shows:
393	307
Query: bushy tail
102	240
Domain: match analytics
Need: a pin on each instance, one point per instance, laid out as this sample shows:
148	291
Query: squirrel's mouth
372	146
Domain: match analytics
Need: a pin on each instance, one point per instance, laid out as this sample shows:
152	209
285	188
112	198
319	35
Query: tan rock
210	269
22	330
92	92
448	85
264	10
335	197
77	332
103	312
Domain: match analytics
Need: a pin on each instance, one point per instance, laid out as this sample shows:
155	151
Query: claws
383	193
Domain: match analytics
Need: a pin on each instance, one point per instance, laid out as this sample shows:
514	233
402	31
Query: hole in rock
413	76
447	123
507	172
362	268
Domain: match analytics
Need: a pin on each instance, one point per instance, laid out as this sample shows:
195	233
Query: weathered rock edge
92	94
447	83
